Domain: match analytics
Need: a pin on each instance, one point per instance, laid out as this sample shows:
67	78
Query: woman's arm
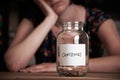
111	41
27	40
105	64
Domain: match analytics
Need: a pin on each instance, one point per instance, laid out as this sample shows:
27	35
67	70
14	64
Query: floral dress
94	18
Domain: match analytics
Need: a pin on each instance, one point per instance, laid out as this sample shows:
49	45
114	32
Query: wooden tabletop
55	76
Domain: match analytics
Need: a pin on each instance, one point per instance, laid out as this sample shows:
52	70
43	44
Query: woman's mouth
55	4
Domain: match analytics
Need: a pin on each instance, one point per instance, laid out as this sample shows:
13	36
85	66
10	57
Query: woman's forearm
19	55
105	64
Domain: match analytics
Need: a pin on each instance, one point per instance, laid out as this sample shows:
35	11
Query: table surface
55	76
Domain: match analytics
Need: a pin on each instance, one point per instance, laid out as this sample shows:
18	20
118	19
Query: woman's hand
44	67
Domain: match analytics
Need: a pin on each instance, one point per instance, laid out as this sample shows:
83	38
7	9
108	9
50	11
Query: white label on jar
72	54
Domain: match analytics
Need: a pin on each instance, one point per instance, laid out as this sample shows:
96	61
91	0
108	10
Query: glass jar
72	50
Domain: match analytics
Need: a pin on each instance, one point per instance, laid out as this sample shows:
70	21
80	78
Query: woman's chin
58	11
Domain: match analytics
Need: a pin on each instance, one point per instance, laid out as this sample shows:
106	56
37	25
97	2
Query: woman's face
58	6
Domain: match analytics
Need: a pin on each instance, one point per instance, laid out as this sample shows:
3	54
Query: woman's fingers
32	69
45	67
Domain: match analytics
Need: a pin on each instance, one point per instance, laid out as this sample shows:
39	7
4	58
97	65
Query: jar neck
73	26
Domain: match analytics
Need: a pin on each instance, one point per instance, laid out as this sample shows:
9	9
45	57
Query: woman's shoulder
95	17
97	13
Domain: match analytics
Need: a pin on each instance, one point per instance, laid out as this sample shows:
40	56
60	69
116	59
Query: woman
39	38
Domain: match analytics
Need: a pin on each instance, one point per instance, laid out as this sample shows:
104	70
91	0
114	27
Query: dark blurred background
9	19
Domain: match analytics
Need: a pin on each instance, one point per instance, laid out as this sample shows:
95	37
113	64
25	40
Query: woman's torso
94	18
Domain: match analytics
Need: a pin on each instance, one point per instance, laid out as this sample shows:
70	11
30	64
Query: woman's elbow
116	65
12	66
